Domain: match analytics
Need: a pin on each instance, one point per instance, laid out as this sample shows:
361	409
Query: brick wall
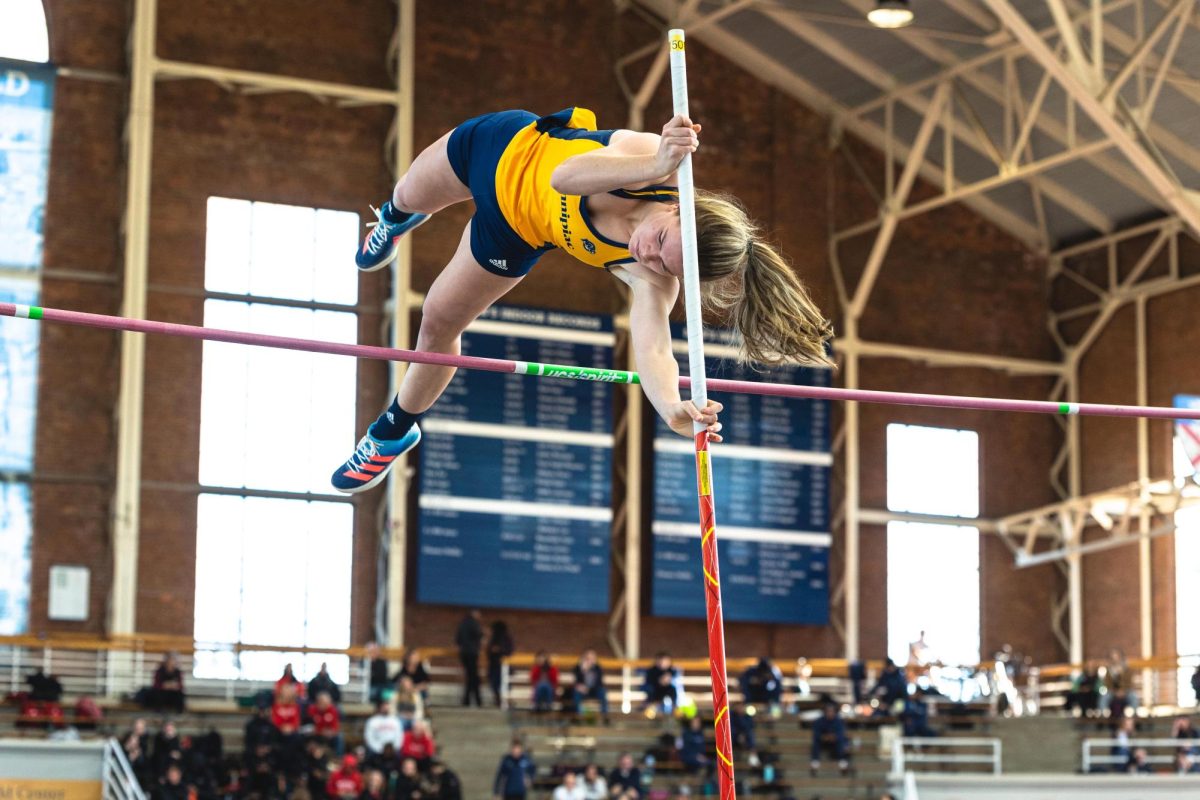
1108	375
951	280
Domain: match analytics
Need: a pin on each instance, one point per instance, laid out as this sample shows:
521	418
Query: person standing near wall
469	638
499	647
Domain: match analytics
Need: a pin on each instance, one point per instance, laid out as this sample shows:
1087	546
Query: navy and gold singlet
506	159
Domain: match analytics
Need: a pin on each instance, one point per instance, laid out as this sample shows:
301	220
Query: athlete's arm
653	298
631	160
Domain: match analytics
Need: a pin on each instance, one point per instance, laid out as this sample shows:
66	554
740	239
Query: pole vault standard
704	477
86	320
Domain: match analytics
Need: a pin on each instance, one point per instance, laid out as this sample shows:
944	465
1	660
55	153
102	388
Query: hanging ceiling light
890	14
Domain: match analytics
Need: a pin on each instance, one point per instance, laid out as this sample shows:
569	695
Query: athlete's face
656	243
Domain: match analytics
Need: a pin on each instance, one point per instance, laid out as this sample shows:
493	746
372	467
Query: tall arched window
23	33
26	102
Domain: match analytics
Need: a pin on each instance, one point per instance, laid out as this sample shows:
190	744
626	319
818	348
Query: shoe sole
395	250
371	484
378	479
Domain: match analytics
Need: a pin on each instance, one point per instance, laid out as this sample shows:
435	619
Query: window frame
218	658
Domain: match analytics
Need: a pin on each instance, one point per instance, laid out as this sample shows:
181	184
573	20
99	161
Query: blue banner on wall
515	473
771	481
26	108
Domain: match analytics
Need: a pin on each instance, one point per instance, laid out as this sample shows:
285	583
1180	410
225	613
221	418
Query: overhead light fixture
890	14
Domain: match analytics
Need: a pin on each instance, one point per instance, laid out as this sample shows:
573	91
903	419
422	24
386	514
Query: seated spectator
381	729
261	765
569	789
87	713
168	749
890	688
1118	704
1084	695
289	679
1119	680
514	776
197	771
44	688
136	744
659	684
741	732
387	762
374	786
804	672
346	782
413	677
1124	733
259	731
589	682
915	717
418	745
593	783
829	738
285	712
377	667
1138	763
544	679
327	721
1183	729
625	781
323	682
287	717
1196	684
168	686
408	784
693	750
1185	764
171	785
763	684
442	784
316	767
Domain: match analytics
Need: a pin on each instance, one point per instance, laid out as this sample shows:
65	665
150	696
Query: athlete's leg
460	293
429	186
430	183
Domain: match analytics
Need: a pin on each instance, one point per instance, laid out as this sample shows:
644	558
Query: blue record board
771	481
515	472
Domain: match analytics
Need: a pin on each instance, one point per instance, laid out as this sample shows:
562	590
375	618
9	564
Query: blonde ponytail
748	280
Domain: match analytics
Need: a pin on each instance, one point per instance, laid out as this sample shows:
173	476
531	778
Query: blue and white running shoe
371	461
379	248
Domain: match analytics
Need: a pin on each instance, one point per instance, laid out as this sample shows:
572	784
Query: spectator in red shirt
289	679
419	745
326	721
544	677
347	782
285	713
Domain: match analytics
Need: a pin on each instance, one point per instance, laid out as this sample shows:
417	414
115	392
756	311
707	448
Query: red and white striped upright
708	515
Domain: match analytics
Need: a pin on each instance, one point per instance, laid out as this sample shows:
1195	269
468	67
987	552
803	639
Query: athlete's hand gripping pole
708	519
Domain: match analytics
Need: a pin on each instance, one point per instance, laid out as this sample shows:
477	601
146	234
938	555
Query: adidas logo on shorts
498	262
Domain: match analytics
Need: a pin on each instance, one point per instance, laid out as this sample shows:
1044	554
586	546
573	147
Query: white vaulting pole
708	517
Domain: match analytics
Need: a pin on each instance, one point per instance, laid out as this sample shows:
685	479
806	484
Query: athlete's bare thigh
430	183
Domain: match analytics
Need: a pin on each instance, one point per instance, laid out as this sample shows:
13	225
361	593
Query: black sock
393	423
394	215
